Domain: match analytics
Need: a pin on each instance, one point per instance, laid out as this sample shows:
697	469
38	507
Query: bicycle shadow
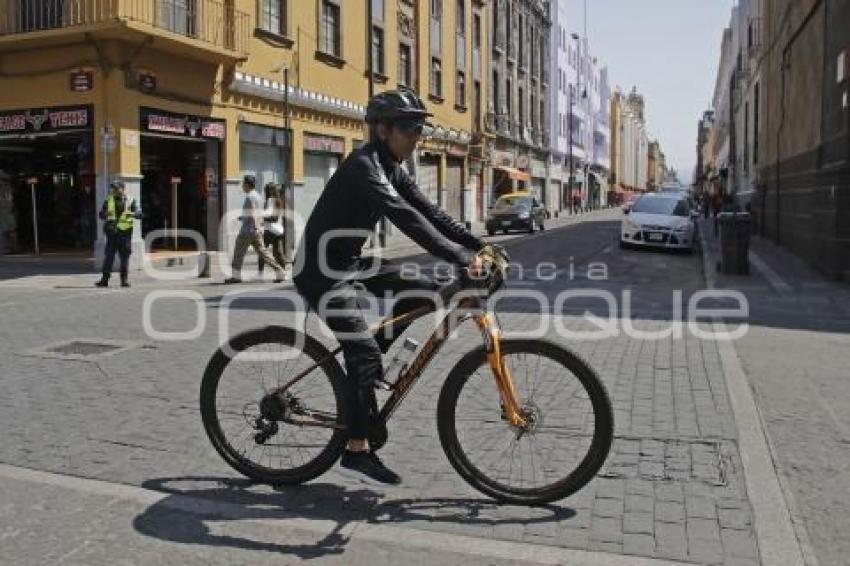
192	502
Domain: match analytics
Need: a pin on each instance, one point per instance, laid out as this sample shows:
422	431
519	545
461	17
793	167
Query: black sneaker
367	467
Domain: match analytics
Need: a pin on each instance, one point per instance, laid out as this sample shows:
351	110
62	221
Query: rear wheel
571	424
255	432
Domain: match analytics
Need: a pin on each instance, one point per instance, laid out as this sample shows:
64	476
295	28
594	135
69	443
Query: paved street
673	487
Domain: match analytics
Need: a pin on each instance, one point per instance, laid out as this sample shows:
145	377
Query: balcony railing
213	22
754	36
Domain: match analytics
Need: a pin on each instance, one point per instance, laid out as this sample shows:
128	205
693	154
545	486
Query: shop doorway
55	169
177	178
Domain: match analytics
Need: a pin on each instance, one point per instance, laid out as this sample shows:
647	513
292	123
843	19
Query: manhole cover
84	349
79	348
669	459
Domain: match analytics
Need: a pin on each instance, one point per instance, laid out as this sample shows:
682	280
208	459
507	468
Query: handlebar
496	263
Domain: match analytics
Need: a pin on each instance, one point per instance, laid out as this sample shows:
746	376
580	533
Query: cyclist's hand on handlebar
476	267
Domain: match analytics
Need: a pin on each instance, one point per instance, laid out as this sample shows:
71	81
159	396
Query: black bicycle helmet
396	105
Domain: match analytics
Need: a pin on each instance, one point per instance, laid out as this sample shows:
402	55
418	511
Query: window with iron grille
460	89
436	77
272	15
521	108
330	32
436	28
521	42
509	102
476	103
542	112
377	50
178	16
405	65
756	124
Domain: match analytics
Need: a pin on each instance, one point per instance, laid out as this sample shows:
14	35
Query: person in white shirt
273	235
251	233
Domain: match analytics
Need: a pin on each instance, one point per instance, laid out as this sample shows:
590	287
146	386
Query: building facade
779	133
518	97
580	101
803	154
722	131
701	171
180	100
629	146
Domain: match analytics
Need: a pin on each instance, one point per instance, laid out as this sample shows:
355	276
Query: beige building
181	99
629	143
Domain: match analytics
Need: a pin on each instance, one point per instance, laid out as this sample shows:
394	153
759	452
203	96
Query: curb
778	541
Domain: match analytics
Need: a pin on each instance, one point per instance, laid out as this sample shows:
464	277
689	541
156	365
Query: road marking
778	542
779	285
519	552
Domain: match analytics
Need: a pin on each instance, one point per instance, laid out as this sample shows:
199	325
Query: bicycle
311	404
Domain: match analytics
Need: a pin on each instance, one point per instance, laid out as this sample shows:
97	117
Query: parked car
672	187
663	220
515	211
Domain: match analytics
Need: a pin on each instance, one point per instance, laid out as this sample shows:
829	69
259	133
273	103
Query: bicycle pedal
384	385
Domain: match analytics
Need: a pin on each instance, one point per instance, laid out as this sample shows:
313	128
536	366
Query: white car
662	220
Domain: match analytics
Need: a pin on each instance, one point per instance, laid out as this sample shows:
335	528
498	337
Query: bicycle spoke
562	412
242	386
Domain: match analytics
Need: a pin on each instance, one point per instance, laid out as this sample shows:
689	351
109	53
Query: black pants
363	353
276	242
117	242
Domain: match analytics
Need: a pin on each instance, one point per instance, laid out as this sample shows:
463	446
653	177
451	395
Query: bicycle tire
577	478
209	386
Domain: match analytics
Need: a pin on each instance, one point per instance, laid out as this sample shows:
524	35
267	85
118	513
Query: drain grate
82	348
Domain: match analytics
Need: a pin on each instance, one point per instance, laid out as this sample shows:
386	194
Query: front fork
504	382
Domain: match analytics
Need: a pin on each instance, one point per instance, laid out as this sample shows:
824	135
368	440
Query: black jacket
368	185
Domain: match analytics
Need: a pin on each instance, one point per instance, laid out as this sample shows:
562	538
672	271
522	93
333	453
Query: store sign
46	119
325	144
162	122
81	81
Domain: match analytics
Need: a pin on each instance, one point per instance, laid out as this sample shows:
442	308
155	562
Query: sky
670	50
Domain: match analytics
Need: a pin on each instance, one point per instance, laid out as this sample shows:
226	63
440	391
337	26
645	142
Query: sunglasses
412	127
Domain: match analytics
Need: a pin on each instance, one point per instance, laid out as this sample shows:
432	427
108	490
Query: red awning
515	174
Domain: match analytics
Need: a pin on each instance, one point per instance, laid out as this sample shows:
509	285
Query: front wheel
570	431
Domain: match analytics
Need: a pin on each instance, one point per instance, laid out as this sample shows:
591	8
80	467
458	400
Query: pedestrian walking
273	233
118	213
716	204
251	232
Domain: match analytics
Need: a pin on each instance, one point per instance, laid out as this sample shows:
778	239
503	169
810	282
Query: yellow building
181	98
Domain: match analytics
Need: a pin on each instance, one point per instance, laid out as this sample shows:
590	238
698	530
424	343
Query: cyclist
371	184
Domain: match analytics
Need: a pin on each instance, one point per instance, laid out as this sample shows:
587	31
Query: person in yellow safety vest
118	213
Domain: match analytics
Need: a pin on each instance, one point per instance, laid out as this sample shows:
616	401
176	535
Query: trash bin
734	242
